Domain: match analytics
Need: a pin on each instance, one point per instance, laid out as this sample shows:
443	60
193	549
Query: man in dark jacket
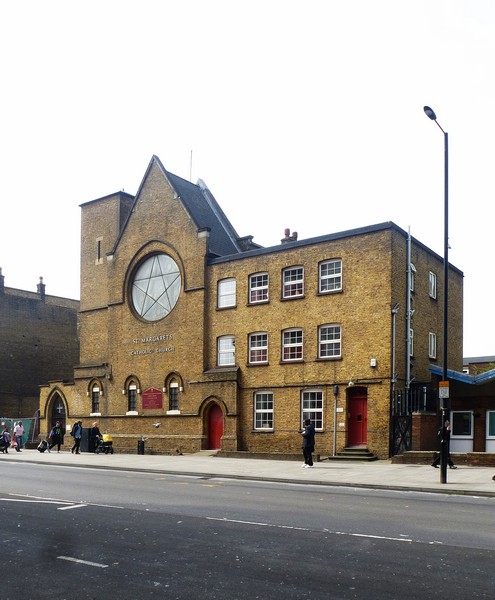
444	435
308	443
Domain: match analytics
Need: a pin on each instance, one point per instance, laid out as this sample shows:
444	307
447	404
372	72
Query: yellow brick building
226	344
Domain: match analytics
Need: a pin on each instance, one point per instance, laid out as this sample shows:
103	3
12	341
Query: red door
215	427
357	420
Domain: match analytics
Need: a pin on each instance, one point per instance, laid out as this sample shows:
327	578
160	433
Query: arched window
173	396
131	398
95	399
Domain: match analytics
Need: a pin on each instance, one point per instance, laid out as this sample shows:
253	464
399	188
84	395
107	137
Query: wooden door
215	427
357	420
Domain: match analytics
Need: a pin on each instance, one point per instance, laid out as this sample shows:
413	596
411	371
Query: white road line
44	500
27	501
363	535
374	537
73	506
83	562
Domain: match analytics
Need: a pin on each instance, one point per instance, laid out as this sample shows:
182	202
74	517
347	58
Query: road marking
73	506
374	537
28	501
43	500
83	562
258	524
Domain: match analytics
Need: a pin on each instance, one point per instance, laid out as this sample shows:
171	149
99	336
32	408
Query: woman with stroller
56	436
94	437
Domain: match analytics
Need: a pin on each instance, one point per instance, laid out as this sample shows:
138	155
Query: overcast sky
305	115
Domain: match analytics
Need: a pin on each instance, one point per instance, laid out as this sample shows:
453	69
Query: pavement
381	474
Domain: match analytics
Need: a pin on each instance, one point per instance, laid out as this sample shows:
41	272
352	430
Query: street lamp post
430	113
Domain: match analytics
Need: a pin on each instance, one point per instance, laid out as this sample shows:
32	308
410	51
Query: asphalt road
82	533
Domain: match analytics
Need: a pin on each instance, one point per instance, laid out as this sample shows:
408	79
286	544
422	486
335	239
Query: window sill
95	414
173	412
330	292
289	298
131	413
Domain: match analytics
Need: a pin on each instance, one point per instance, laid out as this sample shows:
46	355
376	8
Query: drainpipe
335	394
408	315
395	310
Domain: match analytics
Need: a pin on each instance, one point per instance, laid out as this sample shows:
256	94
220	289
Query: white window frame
95	399
131	410
330	338
432	344
173	398
258	348
227	293
293	282
412	278
329	282
226	350
258	288
453	435
312	408
490	435
290	344
263	412
432	285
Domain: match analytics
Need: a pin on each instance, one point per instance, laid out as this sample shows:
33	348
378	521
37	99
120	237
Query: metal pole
444	450
335	395
430	113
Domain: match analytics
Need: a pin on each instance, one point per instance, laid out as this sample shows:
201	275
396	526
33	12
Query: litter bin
140	449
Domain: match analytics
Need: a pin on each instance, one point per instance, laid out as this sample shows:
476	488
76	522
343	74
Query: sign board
152	398
443	389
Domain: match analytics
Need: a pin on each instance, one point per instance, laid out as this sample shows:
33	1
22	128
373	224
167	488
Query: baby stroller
104	444
42	446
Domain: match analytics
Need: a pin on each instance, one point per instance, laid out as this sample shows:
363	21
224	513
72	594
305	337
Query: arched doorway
57	412
215	427
357	417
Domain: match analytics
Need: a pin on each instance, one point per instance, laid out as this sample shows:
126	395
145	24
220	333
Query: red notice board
152	398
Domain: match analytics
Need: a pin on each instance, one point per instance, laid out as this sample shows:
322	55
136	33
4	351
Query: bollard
140	447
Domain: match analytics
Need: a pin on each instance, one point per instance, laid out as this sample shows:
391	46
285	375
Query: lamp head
430	113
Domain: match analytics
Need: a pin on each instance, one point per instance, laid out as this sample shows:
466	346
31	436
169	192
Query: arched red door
357	418
215	427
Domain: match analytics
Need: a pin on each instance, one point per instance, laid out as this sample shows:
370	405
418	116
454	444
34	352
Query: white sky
304	114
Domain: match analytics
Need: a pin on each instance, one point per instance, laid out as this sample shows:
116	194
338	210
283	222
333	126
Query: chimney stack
41	289
288	237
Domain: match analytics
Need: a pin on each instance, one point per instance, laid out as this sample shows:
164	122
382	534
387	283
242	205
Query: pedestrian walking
19	436
5	440
56	436
94	437
444	434
308	443
76	433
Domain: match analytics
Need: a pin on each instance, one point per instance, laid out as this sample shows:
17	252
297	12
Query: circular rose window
156	287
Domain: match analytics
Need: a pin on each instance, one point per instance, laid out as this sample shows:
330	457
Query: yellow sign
443	389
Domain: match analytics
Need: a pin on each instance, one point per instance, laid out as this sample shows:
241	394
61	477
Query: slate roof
205	212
